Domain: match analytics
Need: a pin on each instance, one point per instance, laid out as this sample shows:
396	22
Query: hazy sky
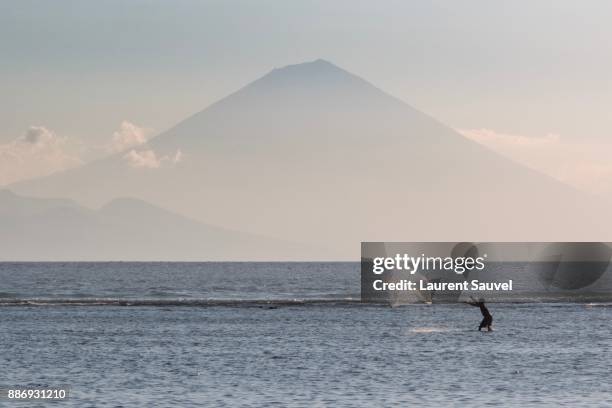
522	68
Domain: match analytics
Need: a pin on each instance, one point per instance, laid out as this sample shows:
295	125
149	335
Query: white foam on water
429	330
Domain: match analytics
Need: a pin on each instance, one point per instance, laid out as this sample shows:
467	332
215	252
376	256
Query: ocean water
205	335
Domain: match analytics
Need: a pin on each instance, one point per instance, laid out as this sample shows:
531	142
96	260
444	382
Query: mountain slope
310	152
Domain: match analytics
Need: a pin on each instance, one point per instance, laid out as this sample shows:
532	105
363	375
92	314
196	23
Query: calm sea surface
175	334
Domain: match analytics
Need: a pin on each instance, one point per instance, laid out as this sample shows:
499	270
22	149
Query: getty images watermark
417	272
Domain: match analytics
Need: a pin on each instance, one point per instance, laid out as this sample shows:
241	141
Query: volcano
312	153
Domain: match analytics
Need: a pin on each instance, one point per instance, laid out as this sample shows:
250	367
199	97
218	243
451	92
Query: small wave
16	300
590	305
174	302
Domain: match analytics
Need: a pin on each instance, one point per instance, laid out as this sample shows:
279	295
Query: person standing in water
487	319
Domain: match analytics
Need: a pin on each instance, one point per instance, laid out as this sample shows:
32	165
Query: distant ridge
125	229
13	205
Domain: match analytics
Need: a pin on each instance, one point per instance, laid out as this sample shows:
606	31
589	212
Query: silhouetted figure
487	319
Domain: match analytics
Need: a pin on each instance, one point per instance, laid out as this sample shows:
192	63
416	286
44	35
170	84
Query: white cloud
128	135
142	159
132	136
148	159
491	138
38	135
584	165
38	152
178	156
